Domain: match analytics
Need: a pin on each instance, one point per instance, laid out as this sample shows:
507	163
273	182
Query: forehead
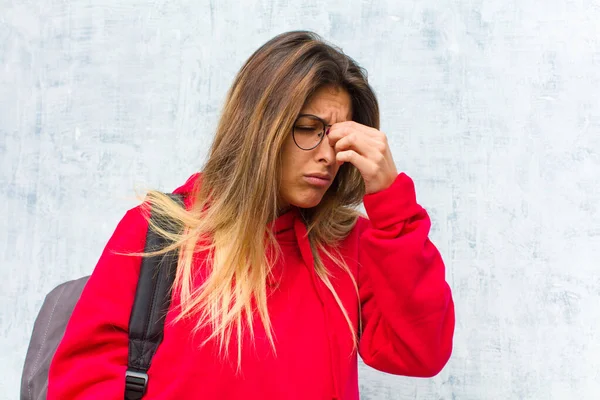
329	102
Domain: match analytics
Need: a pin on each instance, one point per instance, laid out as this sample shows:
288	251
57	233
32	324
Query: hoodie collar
283	226
288	228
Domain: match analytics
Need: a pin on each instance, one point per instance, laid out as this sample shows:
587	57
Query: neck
283	210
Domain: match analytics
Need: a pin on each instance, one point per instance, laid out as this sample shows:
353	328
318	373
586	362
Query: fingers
361	144
368	150
364	165
364	140
342	129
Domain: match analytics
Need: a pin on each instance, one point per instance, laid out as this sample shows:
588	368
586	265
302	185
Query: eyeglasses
309	131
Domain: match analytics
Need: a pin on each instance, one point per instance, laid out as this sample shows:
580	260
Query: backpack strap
152	301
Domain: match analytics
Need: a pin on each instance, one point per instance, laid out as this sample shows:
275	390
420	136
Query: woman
280	282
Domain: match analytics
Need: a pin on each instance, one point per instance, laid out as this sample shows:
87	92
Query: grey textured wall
493	107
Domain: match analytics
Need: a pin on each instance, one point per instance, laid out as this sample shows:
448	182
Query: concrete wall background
493	107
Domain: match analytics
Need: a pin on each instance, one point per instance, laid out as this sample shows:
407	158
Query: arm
406	305
91	360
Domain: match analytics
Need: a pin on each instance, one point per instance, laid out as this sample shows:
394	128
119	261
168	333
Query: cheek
291	161
290	167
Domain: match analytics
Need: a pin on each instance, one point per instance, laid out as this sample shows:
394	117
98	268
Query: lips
325	177
318	180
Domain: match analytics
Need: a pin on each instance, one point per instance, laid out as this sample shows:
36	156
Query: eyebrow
327	122
313	115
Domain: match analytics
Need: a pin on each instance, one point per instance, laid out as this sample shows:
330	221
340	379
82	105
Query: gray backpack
146	323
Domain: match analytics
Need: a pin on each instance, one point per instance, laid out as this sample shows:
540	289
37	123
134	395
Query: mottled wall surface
492	107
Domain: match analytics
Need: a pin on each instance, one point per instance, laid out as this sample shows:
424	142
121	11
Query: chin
307	204
308	201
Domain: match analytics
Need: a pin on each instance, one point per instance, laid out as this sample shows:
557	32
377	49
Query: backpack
146	323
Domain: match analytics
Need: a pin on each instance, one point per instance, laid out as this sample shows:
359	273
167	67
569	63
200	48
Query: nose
325	153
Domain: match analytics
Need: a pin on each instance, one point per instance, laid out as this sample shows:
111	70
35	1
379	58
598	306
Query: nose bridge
324	150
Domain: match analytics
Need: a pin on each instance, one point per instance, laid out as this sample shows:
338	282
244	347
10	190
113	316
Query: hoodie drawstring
309	262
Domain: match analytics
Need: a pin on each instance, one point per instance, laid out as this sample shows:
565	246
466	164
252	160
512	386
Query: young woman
280	283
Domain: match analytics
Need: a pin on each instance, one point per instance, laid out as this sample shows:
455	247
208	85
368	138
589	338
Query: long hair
237	195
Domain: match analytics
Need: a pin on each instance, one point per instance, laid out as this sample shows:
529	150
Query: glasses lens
308	132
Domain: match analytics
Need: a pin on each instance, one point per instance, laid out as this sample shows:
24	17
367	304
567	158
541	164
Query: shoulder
352	240
130	232
362	223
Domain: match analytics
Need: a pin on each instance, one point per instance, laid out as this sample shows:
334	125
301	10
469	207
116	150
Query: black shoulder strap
152	300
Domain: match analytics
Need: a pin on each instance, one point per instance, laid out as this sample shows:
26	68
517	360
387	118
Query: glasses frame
325	130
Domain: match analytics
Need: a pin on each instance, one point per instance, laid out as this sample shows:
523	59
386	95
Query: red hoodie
406	305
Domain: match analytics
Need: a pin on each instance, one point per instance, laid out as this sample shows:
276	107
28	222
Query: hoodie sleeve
91	360
406	305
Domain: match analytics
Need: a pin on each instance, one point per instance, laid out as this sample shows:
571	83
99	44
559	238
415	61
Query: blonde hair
237	194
